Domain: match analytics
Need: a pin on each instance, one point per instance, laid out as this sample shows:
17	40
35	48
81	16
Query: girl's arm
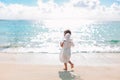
61	44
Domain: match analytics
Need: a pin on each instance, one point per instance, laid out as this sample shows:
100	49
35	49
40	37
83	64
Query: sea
44	36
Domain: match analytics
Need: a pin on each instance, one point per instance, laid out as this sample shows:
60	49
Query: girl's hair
67	31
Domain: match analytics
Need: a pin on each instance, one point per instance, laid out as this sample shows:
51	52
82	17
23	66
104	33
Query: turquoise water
44	36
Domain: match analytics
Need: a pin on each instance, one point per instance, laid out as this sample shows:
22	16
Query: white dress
65	53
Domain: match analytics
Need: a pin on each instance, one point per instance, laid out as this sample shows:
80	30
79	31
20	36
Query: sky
60	9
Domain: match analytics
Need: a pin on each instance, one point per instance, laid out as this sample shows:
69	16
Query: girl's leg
72	65
65	64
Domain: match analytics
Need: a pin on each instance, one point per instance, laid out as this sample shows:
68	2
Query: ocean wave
22	36
56	50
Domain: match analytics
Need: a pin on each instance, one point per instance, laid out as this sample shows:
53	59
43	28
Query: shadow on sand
68	75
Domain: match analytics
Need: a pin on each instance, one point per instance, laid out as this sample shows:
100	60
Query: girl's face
67	36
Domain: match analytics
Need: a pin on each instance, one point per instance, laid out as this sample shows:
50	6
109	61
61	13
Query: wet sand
47	67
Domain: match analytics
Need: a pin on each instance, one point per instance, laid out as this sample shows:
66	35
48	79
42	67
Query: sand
23	67
54	72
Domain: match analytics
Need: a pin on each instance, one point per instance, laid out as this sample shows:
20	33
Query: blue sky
24	2
34	2
109	2
30	2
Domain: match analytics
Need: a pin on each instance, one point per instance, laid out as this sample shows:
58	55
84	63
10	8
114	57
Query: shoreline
79	59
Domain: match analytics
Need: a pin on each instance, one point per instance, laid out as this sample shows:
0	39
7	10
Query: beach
33	33
30	66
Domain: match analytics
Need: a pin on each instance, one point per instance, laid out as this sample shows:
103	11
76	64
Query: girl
66	49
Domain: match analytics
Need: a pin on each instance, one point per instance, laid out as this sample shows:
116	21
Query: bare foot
72	65
65	69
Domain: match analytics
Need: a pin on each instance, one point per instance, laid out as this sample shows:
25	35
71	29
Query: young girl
66	49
